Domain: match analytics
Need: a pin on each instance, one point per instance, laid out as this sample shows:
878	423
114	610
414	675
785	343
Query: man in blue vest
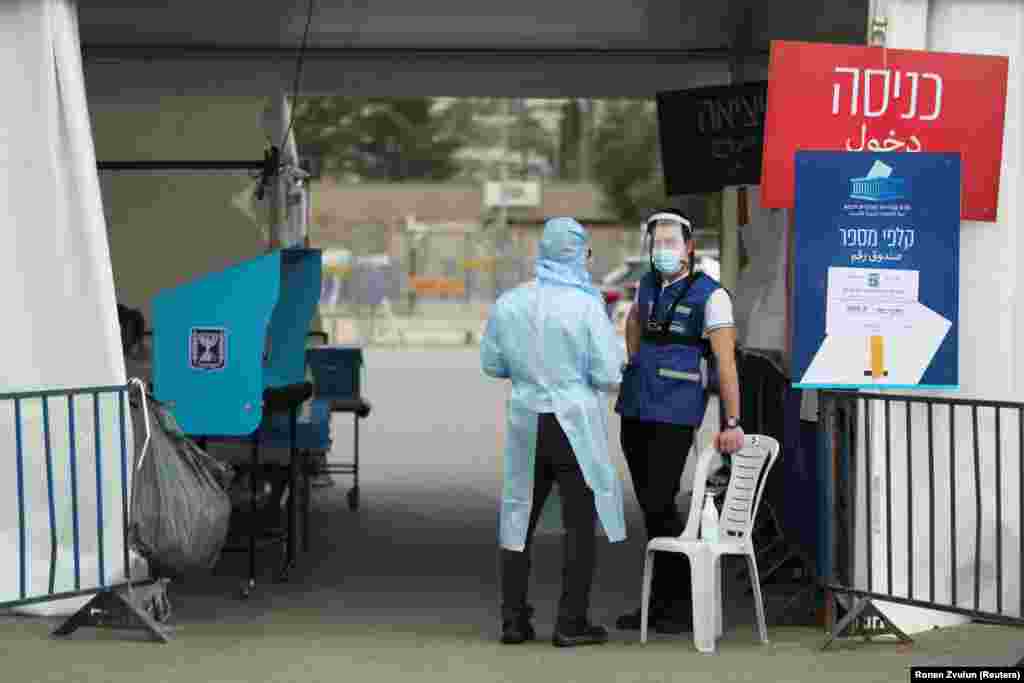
680	335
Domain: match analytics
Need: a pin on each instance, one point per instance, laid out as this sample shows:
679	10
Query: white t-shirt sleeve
718	311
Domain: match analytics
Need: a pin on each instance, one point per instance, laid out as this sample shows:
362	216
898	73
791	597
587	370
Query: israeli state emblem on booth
208	348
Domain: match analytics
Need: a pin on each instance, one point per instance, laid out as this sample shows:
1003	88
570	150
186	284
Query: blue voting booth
223	339
229	360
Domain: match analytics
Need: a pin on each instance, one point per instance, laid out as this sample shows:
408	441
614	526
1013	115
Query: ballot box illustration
878	185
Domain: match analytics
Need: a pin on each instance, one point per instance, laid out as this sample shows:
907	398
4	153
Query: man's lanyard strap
652	318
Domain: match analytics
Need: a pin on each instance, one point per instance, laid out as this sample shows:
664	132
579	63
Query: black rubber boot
578	633
516	627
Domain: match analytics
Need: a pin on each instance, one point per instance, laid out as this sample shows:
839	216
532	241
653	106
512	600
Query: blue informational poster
877	270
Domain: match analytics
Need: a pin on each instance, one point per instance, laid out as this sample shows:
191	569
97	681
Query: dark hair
133	327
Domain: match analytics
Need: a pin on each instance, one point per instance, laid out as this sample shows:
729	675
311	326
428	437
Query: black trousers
556	462
656	454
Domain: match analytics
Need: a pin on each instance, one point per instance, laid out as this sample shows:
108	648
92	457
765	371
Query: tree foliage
626	162
427	139
382	139
397	139
569	139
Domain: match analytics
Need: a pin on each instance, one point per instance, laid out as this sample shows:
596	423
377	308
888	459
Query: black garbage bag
180	507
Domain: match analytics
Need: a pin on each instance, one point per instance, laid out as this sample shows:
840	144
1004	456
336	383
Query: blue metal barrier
108	607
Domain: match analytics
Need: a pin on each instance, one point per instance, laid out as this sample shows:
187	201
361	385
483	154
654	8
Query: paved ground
406	589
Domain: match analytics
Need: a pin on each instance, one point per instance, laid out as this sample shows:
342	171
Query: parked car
620	285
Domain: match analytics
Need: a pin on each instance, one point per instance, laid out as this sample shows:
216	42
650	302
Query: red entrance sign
855	98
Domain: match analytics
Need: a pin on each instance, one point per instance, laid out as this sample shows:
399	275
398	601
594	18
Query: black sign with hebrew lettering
712	137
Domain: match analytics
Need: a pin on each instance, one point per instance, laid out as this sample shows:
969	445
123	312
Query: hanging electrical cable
298	74
272	165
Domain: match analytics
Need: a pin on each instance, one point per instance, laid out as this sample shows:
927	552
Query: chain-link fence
442	277
456	266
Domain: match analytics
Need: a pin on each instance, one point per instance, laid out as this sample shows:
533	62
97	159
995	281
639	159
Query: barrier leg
307	488
857	607
293	508
353	495
863	607
248	587
110	609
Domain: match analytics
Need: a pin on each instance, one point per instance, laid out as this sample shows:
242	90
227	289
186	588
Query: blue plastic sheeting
771	406
801	510
830	470
826	501
797	471
222	339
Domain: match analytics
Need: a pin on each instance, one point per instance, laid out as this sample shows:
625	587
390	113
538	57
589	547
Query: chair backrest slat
750	468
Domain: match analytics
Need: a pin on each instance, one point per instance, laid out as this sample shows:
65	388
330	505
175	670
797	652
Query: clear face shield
647	228
676	240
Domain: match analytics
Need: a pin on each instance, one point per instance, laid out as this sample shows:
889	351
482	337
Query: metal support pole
586	119
503	177
276	118
878	23
729	246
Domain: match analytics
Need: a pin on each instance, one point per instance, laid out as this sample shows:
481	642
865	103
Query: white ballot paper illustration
870	301
863	303
879	169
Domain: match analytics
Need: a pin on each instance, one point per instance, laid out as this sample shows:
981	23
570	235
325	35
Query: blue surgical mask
668	261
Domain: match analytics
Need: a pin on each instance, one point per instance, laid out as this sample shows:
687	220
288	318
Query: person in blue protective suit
680	336
553	339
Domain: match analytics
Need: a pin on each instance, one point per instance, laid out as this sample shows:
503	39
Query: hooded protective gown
553	339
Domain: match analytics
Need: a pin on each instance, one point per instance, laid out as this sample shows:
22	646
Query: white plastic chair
750	467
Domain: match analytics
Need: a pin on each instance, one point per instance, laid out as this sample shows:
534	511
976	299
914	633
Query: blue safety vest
667	378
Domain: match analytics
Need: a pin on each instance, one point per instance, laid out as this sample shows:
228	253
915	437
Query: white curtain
59	306
760	296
